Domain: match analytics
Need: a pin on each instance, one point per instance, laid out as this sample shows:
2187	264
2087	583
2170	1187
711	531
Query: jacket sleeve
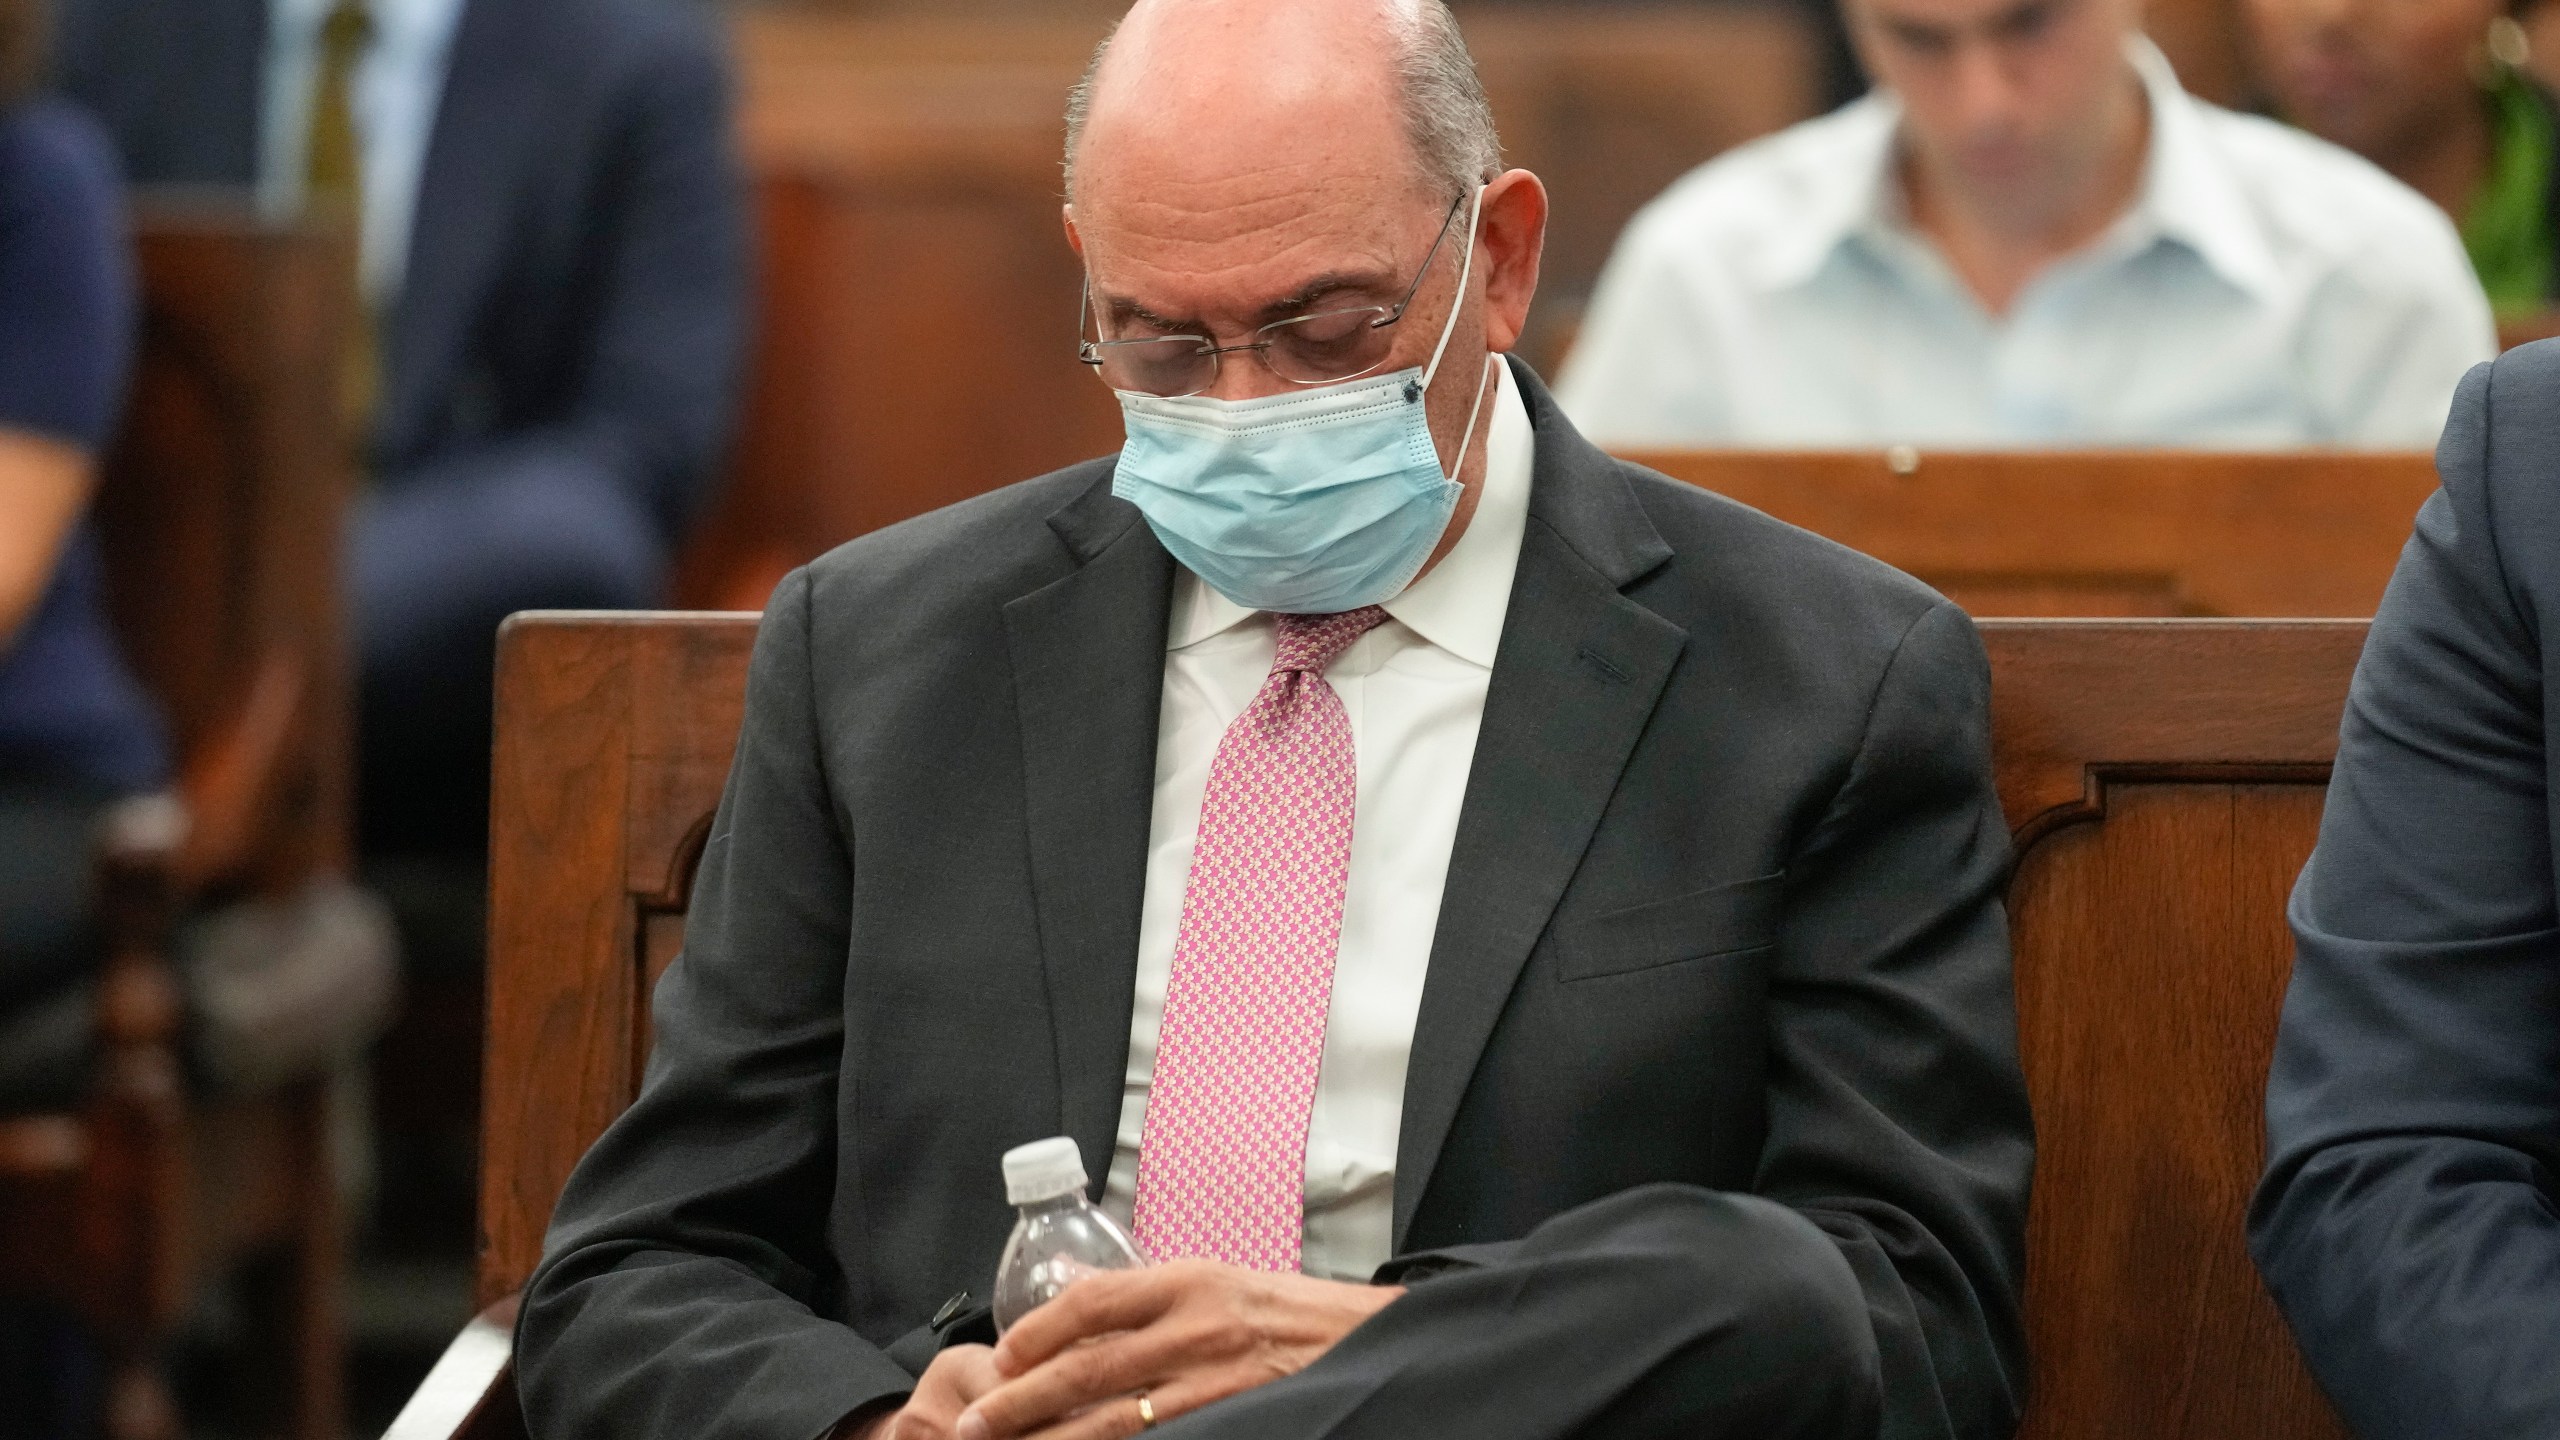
2405	1222
1898	1118
1871	1282
664	340
682	1285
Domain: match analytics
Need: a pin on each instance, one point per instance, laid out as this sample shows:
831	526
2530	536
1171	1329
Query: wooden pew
219	514
2100	533
2163	780
918	313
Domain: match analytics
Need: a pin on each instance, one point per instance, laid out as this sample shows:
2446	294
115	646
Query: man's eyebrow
2024	15
1132	310
1328	284
1917	32
1321	287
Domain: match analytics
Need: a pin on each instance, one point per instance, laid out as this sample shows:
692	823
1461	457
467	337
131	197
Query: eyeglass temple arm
1396	311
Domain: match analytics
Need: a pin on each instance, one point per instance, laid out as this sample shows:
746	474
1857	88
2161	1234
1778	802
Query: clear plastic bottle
1060	1236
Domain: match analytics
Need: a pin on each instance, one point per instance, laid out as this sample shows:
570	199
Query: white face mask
1313	502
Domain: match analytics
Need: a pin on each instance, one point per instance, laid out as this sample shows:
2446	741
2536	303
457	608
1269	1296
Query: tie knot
347	30
1312	643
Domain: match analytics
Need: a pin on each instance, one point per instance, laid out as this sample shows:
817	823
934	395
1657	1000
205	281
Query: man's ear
1075	240
1513	238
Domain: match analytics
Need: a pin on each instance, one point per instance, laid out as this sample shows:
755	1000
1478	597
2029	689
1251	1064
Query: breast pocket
1701	925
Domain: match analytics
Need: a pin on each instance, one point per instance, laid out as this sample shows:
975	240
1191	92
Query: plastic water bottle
1060	1237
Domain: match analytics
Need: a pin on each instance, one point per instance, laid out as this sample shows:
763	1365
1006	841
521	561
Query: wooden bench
219	514
2163	780
2100	533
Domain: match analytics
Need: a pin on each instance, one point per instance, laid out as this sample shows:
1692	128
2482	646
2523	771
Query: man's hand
1182	1334
956	1377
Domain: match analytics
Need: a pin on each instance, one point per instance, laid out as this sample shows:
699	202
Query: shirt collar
397	24
1848	191
2188	193
1460	604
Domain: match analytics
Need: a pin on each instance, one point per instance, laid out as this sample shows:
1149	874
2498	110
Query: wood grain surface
2100	533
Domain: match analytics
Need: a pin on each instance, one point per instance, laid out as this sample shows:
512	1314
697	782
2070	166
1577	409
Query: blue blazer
2407	1221
576	297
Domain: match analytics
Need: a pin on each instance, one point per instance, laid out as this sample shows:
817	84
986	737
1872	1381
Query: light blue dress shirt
399	85
2264	289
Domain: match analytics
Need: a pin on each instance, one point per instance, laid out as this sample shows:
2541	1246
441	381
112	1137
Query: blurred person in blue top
2029	234
76	731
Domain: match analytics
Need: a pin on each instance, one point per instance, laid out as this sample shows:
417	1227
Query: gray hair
1446	116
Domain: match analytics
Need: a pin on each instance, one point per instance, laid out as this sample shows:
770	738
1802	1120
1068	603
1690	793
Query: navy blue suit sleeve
659	372
2406	1223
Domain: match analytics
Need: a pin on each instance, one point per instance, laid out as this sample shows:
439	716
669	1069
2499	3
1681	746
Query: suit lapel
1088	674
487	124
1574	683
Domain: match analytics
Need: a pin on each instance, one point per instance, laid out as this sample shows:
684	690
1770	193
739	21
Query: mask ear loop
1466	271
1468	439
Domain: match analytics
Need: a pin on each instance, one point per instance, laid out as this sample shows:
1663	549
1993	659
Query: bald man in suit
1517	938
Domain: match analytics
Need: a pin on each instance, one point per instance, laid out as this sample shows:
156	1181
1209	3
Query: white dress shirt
1414	688
399	85
2264	289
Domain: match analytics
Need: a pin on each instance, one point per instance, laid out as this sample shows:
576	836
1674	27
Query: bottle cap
1043	1170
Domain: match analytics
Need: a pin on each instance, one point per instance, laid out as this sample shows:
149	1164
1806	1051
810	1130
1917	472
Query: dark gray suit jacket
575	306
1713	1114
2408	1221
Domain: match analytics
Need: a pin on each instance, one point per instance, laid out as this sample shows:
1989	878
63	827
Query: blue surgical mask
1311	502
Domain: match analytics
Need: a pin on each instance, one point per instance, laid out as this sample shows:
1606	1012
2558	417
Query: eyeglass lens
1308	350
1305	350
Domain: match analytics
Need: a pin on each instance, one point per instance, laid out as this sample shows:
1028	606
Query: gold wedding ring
1146	1412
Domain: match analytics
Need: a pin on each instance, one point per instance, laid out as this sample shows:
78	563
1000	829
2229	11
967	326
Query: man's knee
436	572
1771	1330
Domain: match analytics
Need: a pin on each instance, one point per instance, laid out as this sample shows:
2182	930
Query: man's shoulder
1734	565
2324	203
986	549
648	39
54	153
2494	460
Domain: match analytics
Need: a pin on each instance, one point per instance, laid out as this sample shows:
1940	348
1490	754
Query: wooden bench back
2100	533
219	511
2164	781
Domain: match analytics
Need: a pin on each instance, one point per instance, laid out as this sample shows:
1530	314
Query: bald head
1239	165
1256	73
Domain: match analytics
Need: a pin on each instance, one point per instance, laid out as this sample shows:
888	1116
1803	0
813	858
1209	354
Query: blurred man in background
553	258
2432	91
1522	937
2030	235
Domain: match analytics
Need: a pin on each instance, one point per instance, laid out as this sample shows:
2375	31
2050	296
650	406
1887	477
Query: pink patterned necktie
1222	1161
